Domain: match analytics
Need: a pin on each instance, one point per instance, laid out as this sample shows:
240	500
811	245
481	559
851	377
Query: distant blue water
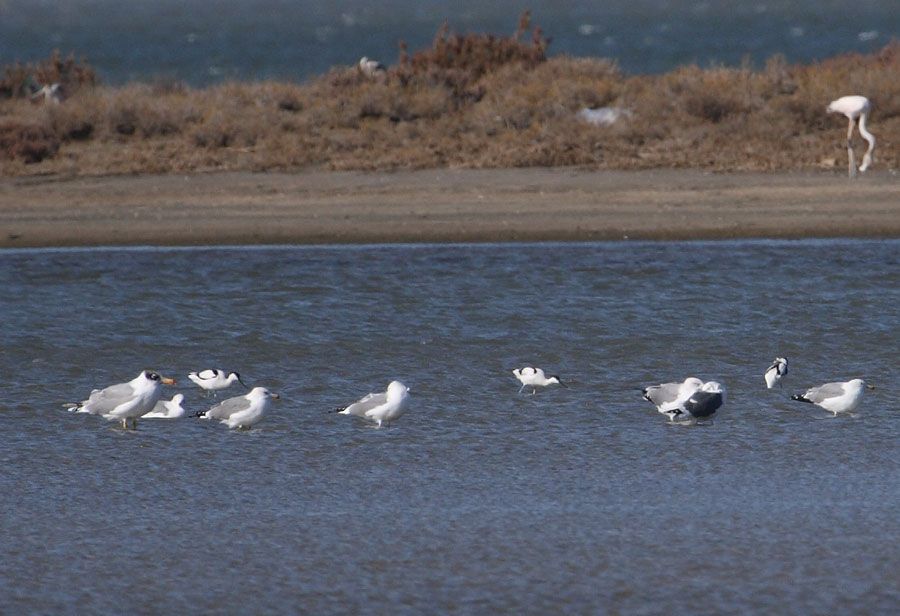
579	500
205	41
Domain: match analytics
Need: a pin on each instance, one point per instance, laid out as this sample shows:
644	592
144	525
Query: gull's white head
860	384
262	392
397	390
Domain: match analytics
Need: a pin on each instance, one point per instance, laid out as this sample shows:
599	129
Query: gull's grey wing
367	403
823	392
703	403
662	394
104	401
229	407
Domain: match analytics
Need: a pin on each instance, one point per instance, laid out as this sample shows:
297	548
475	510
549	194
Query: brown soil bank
443	206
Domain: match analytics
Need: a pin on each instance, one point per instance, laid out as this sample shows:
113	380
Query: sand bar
443	206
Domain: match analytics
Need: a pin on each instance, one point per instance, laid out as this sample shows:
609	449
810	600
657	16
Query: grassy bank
473	101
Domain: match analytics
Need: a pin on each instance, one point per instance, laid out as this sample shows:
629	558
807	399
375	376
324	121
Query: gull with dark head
383	407
127	401
777	371
534	378
839	397
242	411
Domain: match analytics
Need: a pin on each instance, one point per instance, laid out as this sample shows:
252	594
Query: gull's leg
522	387
124	423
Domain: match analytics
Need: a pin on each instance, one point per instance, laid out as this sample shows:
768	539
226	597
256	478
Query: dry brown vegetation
470	101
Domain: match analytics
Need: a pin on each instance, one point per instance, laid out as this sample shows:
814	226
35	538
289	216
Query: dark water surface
579	500
207	41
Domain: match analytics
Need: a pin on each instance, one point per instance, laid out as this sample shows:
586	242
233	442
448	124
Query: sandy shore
443	206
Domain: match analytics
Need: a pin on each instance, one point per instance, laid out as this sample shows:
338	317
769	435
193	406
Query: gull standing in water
380	407
836	397
701	404
669	396
242	411
168	409
127	401
213	380
776	372
534	378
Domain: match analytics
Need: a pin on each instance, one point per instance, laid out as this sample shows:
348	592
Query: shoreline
442	206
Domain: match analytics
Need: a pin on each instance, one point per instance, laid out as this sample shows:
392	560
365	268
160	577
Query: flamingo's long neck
865	133
867	157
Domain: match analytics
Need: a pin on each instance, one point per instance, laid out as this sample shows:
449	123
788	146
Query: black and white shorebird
668	396
839	397
126	401
214	380
534	378
701	404
382	407
371	68
777	371
242	411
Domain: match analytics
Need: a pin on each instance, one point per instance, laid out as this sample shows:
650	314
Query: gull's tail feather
801	398
201	414
338	409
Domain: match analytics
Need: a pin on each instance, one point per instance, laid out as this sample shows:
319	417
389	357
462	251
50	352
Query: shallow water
580	499
215	40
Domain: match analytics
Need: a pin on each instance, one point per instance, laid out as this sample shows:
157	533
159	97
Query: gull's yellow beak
275	396
167	381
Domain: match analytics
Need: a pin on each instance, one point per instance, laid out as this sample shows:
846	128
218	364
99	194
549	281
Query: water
580	500
208	41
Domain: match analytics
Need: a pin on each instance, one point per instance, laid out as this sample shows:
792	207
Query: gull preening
214	380
777	371
242	411
836	397
168	409
855	108
534	378
127	401
669	396
371	68
380	407
701	404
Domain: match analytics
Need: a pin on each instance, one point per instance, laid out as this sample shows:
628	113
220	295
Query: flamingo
855	107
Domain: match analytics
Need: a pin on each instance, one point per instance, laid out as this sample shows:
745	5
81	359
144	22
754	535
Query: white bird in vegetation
371	68
855	108
49	94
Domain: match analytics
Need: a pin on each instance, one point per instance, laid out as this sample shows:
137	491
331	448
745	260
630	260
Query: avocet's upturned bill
127	401
839	397
777	371
383	407
242	411
534	378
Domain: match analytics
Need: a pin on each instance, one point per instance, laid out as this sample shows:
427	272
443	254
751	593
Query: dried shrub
30	142
20	80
